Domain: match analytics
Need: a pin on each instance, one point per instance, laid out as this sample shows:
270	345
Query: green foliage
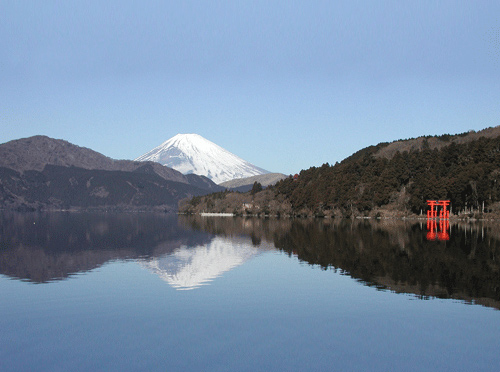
445	137
256	188
467	174
195	200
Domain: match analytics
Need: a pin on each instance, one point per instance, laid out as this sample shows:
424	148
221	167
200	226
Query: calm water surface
155	292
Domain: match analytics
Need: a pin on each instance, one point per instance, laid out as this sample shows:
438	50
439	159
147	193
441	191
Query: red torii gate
444	223
444	213
432	213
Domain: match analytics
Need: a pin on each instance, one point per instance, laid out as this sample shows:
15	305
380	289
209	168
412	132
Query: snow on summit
191	153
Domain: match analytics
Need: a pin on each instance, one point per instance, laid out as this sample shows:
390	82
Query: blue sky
283	84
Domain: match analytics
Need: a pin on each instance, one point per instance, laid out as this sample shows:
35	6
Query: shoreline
302	216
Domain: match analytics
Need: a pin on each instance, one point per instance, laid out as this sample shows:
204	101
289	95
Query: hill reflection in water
45	247
388	254
188	252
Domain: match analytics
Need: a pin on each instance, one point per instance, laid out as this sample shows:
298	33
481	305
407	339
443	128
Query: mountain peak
192	153
190	137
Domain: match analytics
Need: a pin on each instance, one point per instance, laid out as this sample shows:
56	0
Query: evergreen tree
256	188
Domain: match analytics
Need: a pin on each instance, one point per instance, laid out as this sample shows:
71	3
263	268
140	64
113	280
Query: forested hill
389	179
463	168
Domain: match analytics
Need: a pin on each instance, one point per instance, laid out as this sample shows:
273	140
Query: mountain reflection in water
188	252
191	267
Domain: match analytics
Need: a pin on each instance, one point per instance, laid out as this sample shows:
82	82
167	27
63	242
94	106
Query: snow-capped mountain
191	153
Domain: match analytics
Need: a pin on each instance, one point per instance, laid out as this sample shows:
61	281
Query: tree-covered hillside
467	174
397	178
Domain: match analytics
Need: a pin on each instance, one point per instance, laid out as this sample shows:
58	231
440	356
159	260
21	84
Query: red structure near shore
432	213
444	213
444	223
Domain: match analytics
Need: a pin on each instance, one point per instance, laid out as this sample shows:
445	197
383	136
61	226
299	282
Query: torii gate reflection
444	220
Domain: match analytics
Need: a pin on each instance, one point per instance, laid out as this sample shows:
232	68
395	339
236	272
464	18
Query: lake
155	292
